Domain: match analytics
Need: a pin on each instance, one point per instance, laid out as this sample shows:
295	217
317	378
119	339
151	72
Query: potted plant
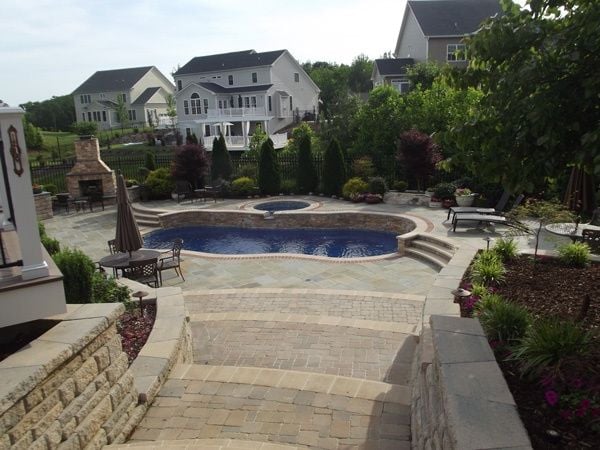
464	197
443	195
37	188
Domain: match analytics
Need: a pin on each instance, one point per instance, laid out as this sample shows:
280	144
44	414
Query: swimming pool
281	205
335	243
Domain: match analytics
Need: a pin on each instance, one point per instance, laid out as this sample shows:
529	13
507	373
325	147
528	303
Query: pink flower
551	397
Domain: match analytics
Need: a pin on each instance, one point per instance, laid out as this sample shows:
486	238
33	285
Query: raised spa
281	205
336	243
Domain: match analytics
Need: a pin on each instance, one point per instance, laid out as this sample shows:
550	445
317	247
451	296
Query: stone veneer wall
70	388
43	205
374	221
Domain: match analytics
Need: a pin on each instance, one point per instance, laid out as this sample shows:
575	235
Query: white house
233	93
433	30
143	89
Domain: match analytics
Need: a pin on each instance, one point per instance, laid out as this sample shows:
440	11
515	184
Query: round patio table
122	260
570	229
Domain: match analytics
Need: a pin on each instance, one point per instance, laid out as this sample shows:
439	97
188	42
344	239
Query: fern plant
502	320
506	249
487	269
576	254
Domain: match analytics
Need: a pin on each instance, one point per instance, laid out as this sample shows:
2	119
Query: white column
18	179
265	126
245	132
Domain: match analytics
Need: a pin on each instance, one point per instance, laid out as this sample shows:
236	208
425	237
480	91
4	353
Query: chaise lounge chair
475	210
489	218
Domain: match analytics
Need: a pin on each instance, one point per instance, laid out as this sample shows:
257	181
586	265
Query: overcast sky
49	47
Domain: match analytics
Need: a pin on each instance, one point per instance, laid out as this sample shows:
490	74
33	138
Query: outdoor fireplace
90	175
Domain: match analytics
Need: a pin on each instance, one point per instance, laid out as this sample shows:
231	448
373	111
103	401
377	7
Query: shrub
85	128
190	164
363	168
77	269
377	185
160	183
353	187
576	254
288	187
269	179
143	173
444	190
51	245
549	344
503	321
334	169
131	182
487	269
247	170
400	186
306	177
220	160
150	161
107	290
51	188
479	289
506	249
243	186
419	154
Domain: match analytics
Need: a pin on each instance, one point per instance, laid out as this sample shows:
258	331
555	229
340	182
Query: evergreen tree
221	161
307	178
334	169
269	179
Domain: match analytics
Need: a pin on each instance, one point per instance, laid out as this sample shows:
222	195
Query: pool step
146	217
428	247
431	249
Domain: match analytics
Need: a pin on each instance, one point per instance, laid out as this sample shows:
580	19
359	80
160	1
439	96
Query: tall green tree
33	136
538	71
269	178
172	110
334	169
56	113
122	113
422	74
359	74
306	178
220	160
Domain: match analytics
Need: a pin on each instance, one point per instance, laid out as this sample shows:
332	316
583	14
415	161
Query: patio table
122	260
570	229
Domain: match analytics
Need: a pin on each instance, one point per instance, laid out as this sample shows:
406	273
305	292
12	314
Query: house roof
112	80
453	17
393	66
229	61
107	103
218	89
145	96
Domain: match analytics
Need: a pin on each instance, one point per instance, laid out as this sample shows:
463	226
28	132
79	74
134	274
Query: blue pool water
337	243
281	205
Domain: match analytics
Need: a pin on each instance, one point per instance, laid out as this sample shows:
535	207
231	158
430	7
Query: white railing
236	112
165	122
235	141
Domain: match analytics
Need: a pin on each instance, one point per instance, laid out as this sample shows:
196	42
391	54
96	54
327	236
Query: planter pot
447	202
465	200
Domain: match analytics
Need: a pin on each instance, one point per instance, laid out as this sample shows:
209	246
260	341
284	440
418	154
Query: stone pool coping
250	206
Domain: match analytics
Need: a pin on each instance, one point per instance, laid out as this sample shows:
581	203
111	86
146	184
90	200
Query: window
253	100
85	98
206	130
188	131
296	77
179	85
95	115
403	86
83	116
101	95
254	77
270	104
247	102
186	107
230	79
291	107
205	106
89	116
132	115
196	105
103	116
122	97
457	52
220	104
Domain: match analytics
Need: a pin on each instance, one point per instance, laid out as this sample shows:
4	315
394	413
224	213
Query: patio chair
173	261
63	201
487	218
183	189
112	246
592	239
144	271
495	210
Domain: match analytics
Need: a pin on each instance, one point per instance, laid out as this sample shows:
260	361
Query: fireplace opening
90	188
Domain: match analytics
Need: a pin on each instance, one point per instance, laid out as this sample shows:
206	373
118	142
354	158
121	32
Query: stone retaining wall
43	205
407	198
345	219
70	388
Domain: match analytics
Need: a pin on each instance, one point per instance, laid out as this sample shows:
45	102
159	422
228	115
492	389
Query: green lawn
60	143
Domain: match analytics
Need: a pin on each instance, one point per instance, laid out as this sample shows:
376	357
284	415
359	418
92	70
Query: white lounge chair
475	210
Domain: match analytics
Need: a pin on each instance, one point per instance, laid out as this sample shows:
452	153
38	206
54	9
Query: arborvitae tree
221	162
334	169
150	162
269	179
306	178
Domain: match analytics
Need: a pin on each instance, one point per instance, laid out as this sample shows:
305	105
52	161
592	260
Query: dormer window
296	77
123	97
456	52
254	77
230	80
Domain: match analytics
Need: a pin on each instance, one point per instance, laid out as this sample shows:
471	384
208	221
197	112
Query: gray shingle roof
229	61
107	103
453	17
145	96
112	80
393	66
218	89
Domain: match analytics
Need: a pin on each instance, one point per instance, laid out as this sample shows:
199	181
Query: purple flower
551	397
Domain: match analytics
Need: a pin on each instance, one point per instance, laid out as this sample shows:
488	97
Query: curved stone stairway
290	369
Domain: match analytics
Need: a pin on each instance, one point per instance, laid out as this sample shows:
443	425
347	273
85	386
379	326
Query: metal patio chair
173	261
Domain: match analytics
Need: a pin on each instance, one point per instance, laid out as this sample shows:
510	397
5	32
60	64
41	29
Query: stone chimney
90	170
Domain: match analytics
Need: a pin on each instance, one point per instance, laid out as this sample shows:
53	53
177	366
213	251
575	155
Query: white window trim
457	48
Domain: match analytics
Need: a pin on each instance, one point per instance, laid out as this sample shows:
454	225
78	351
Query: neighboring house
144	90
391	71
233	93
434	30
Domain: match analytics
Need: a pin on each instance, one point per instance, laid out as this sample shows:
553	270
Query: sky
49	47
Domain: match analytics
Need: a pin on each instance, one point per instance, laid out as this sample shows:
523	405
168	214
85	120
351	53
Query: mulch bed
547	288
134	329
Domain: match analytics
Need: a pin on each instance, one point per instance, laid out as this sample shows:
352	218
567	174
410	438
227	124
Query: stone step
434	248
429	258
206	444
148	223
440	242
278	406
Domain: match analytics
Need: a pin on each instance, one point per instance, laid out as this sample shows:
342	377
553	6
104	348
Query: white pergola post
16	189
245	125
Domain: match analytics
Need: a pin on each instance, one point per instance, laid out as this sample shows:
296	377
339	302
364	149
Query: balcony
238	143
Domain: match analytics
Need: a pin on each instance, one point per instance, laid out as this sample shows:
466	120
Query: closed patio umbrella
128	237
579	195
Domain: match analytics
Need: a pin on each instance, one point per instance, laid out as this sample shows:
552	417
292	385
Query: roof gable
145	96
229	61
112	80
453	17
393	66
